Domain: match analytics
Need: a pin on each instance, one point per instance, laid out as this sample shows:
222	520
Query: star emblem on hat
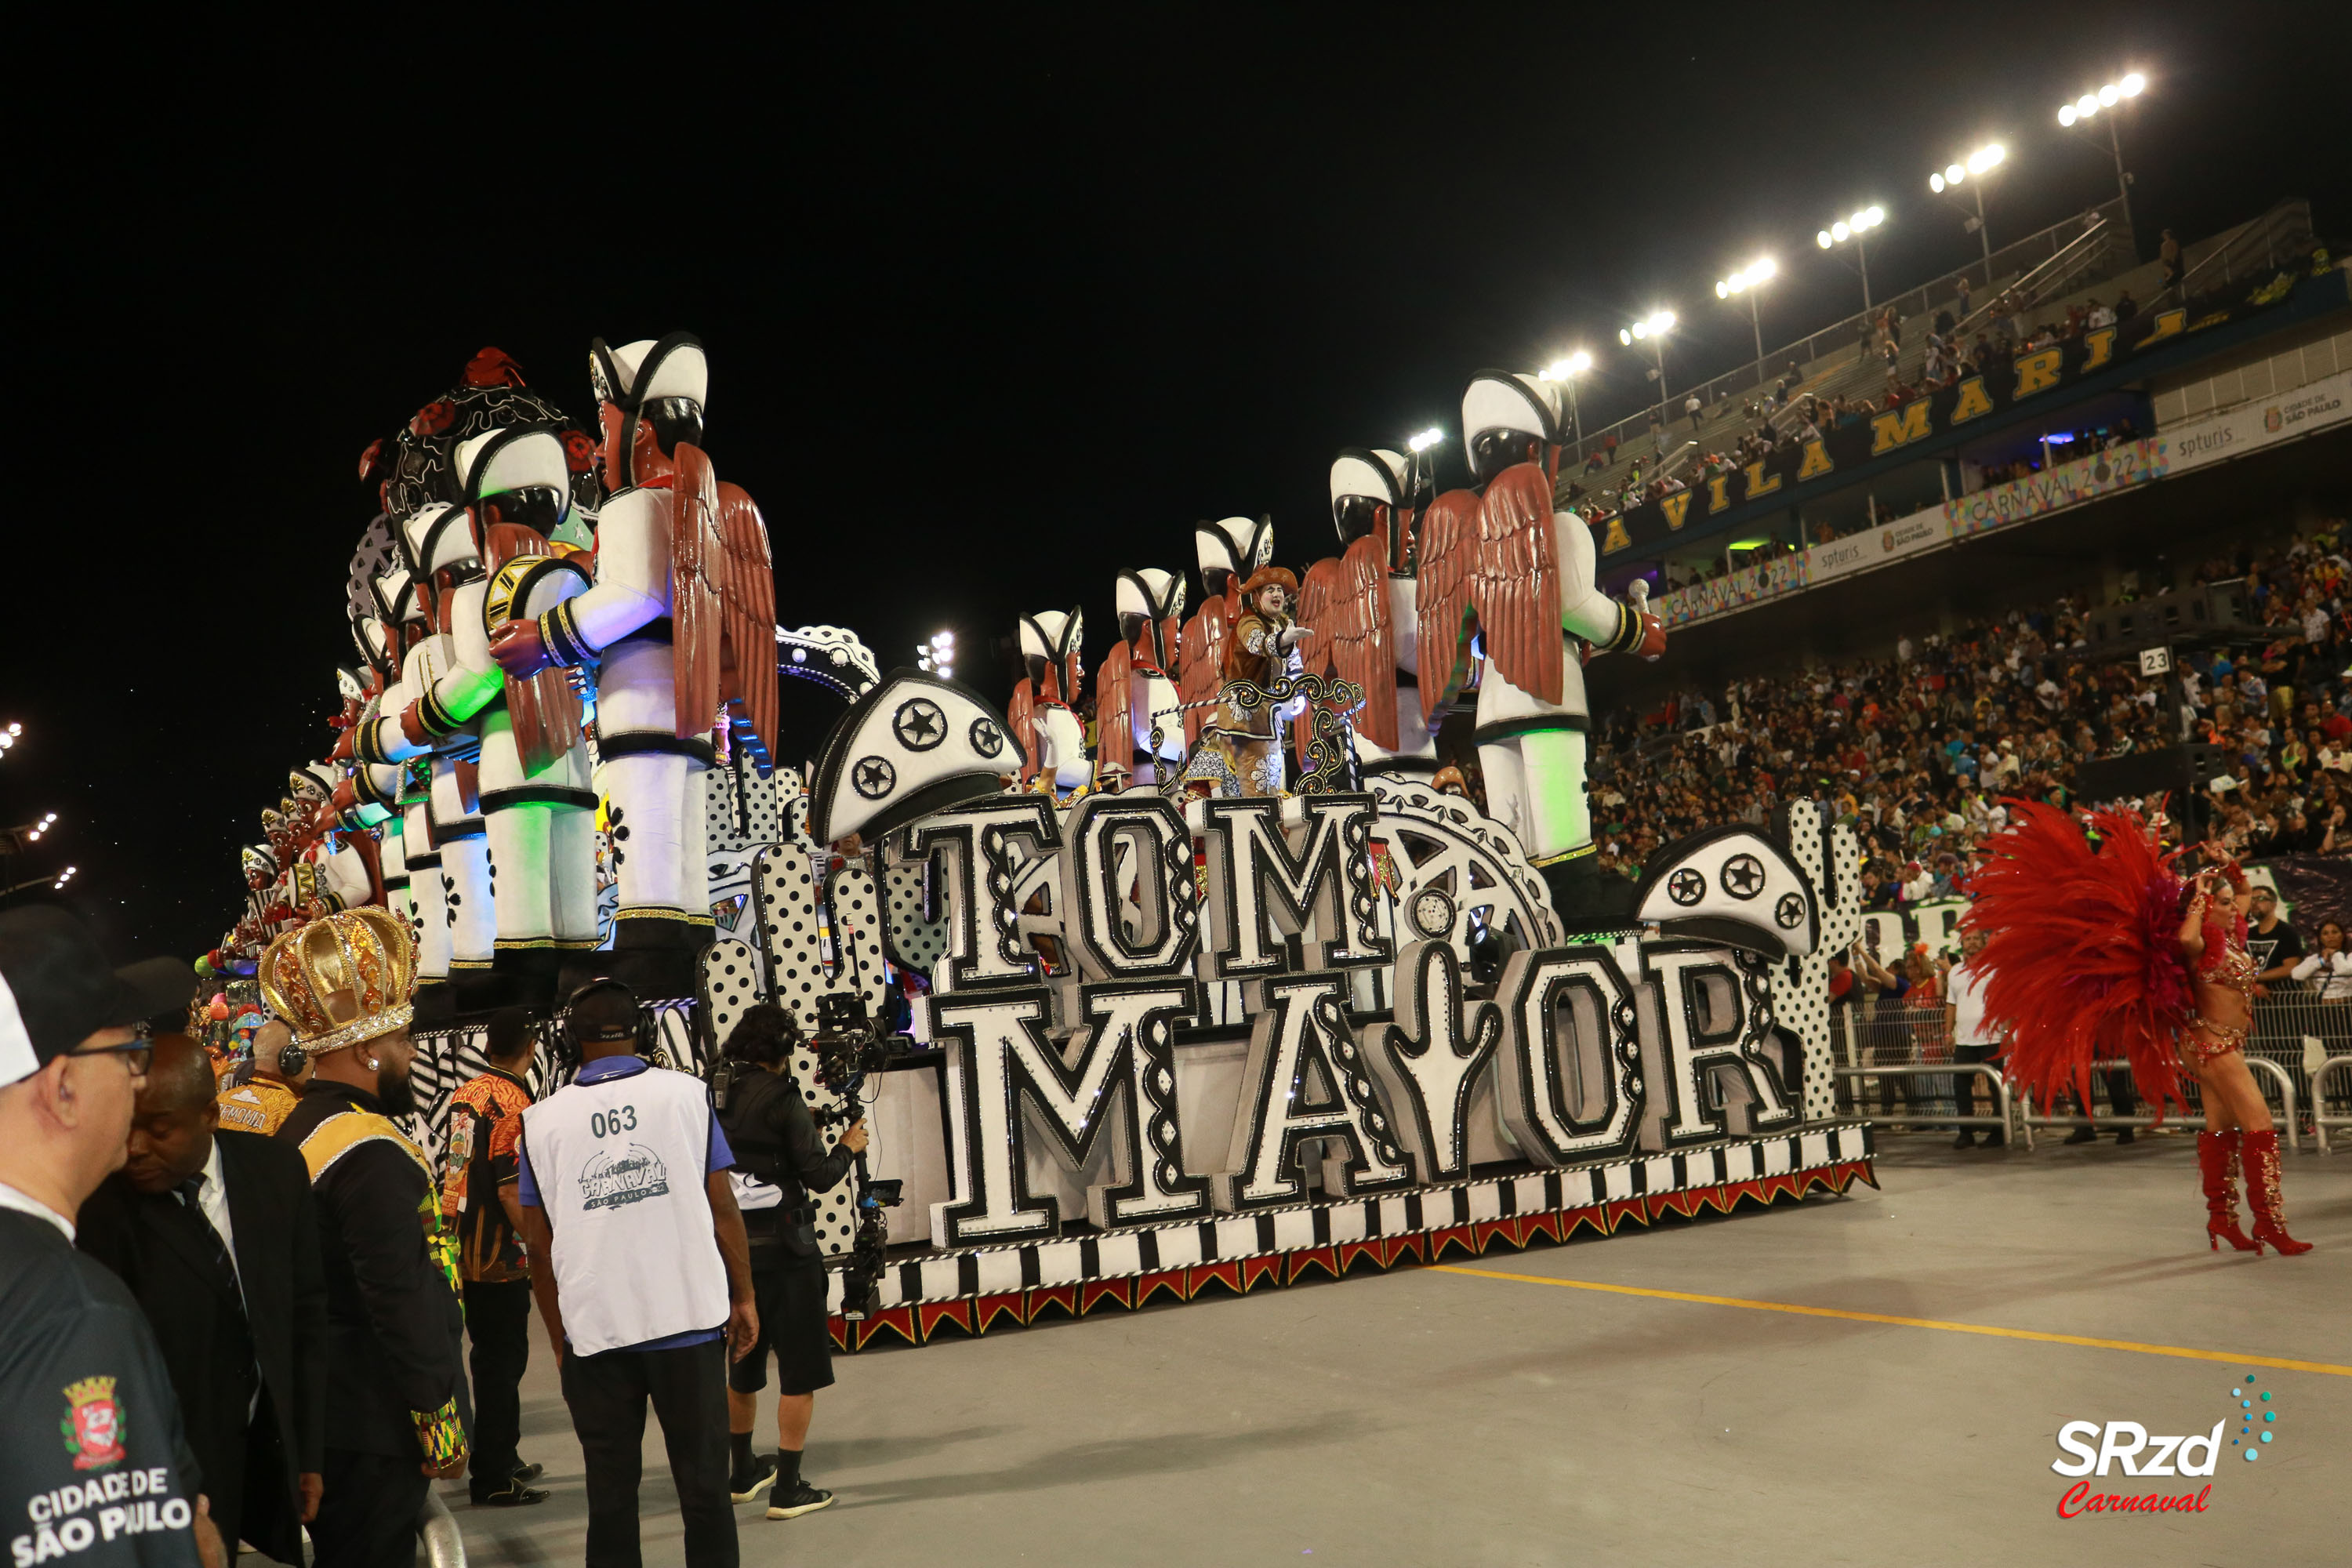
1790	911
873	777
986	738
1743	876
1686	887
919	724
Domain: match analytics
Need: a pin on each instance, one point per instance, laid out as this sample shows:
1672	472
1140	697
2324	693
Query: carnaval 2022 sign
1584	1052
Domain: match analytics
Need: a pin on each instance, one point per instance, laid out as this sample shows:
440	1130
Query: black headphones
567	1041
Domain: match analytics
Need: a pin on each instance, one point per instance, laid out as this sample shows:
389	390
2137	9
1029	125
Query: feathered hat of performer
342	979
1281	577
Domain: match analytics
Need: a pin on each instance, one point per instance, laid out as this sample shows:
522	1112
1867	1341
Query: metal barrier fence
1896	1061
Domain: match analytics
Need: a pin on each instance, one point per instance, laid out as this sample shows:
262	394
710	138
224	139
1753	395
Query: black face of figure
1496	450
1356	515
539	508
672	420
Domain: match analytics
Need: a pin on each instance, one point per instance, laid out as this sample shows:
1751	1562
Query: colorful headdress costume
342	979
2081	955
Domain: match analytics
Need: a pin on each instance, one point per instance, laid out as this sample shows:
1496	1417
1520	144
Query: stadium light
1426	439
1745	281
1853	227
1566	371
2072	115
1983	161
63	878
1652	329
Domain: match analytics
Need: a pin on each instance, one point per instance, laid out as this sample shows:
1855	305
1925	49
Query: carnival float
1273	945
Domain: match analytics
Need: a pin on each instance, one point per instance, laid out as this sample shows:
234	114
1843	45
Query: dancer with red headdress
2098	949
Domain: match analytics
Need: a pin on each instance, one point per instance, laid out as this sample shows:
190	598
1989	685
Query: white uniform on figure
542	827
1485	552
1050	646
651	776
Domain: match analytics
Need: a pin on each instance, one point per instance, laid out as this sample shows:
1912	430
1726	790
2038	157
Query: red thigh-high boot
2262	1194
2217	1161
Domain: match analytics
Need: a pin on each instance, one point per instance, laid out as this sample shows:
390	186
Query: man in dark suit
216	1236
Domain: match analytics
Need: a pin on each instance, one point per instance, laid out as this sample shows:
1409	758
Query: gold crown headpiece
343	978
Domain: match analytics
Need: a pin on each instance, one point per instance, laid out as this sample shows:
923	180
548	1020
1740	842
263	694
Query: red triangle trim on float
1062	1296
1620	1210
1451	1235
1327	1258
929	1315
1171	1280
1226	1272
1263	1266
1354	1252
1095	1291
986	1310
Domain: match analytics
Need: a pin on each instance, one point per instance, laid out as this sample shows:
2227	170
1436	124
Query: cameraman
775	1140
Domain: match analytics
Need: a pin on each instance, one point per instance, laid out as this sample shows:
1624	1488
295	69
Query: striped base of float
982	1290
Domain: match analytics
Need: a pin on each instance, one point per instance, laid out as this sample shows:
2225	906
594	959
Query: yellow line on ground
2180	1351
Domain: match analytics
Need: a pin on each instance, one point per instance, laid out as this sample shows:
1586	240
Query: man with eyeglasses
93	1465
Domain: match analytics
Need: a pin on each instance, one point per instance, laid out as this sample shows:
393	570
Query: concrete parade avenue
1478	1414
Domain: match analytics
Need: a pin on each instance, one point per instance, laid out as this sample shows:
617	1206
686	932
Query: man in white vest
642	1272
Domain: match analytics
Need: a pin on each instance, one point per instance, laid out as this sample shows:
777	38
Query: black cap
57	989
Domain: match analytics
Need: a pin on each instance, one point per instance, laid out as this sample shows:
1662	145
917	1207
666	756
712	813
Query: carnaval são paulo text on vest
619	1165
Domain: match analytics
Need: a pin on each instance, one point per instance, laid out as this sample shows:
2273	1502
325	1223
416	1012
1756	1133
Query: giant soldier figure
1500	561
681	621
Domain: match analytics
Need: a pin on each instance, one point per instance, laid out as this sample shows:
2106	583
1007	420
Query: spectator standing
213	1232
1657	432
76	1353
2170	254
781	1159
2276	946
1972	1040
1963	292
479	1203
640	1269
395	1418
1692	407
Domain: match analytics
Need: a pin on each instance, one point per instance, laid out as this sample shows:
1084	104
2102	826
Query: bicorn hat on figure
434	538
342	979
1149	593
1361	483
1503	408
1232	547
1055	636
1733	885
525	467
911	746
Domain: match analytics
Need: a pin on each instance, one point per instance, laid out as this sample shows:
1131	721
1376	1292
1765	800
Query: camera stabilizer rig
849	1047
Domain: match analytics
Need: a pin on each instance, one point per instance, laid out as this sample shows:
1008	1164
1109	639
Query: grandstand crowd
1786	413
1917	748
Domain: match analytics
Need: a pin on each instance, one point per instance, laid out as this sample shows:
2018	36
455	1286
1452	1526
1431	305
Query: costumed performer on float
1239	742
2101	951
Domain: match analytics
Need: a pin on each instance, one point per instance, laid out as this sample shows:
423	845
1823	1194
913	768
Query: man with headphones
641	1270
280	1068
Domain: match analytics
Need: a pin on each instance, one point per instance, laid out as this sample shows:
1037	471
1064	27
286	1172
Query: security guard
640	1269
780	1161
93	1466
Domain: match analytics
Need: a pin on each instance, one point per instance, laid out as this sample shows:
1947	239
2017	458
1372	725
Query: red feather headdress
2081	955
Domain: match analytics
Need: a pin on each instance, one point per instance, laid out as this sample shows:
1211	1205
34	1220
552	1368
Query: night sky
996	304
